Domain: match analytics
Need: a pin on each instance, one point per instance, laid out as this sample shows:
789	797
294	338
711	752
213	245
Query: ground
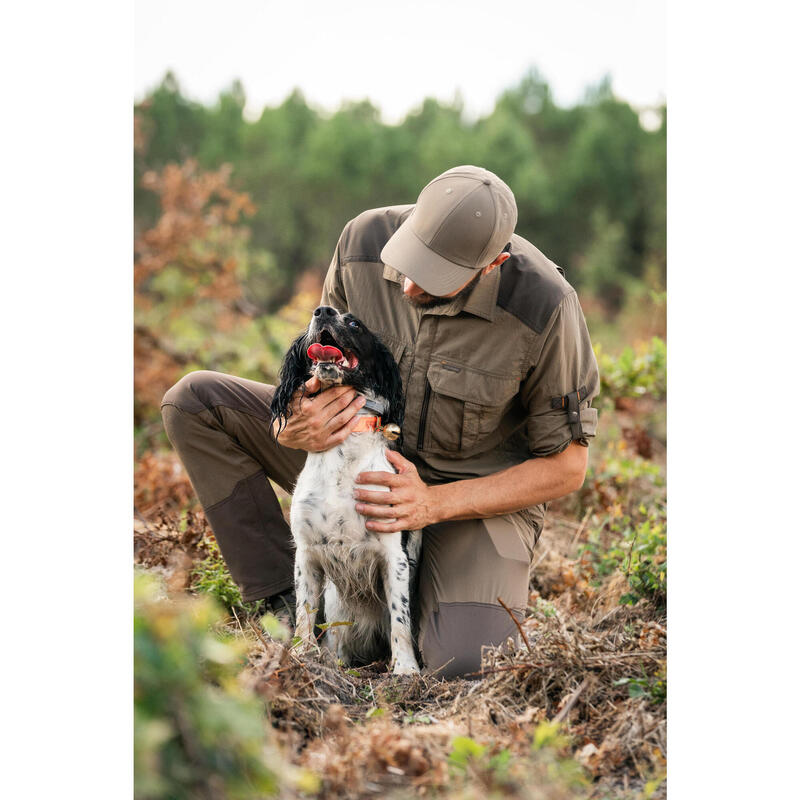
575	708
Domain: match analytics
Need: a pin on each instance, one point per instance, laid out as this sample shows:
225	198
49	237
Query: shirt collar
481	302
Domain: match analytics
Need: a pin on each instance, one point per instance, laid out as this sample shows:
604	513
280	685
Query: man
498	373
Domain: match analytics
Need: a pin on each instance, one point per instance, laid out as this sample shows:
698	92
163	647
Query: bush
637	548
211	576
634	373
545	771
197	733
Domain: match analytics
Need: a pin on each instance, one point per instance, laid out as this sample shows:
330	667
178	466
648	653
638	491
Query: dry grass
595	667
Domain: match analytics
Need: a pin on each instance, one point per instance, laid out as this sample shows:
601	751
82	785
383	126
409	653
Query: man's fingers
381	478
400	524
381	498
379	512
338	395
346	414
339	436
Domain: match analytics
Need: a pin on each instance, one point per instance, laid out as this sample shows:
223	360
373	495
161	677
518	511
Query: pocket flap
464	383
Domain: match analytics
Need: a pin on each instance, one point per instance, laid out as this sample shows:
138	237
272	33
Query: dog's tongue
324	352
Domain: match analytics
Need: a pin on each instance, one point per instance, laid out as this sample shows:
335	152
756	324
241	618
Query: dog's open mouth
326	350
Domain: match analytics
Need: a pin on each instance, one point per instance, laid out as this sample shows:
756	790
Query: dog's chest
323	506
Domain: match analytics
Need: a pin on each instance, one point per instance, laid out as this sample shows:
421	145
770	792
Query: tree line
589	179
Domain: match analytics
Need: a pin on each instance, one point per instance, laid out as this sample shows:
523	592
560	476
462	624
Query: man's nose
323	312
411	289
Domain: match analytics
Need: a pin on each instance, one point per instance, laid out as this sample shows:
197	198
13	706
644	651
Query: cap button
487	181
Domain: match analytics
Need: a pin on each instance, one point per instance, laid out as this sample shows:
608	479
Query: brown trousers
220	427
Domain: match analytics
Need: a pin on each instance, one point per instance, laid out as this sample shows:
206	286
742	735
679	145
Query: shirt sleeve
333	293
562	383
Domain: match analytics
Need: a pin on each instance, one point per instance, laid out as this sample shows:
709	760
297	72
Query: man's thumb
313	384
396	460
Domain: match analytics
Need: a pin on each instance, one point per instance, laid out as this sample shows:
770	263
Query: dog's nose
324	311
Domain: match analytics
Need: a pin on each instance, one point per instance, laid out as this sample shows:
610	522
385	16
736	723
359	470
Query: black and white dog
365	576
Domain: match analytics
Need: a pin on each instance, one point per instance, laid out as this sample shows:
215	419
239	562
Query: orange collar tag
365	424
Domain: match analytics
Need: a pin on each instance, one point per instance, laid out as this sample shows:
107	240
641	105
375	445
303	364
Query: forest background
236	219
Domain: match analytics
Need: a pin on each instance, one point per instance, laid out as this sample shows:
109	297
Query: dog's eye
353	323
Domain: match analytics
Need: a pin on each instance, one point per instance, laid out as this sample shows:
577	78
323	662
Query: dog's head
340	350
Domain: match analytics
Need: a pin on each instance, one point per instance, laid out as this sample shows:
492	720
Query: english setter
365	577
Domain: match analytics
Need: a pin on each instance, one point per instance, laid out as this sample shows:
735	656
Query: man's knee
453	639
181	404
189	393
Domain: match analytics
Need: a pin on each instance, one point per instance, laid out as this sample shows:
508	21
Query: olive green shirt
485	377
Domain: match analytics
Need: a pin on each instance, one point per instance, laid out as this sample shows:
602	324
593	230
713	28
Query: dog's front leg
396	582
308	590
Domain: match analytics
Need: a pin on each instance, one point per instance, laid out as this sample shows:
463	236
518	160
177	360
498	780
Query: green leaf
464	750
274	627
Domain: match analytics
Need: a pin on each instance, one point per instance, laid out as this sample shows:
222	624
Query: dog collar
365	424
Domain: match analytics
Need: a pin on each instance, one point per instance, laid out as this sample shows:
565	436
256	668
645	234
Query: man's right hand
321	422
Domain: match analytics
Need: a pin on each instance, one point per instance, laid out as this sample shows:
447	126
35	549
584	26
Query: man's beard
432	301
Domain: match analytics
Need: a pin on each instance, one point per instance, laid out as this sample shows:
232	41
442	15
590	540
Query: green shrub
545	771
634	373
211	576
636	545
654	687
197	732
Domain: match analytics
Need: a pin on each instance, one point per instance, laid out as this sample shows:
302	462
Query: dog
364	577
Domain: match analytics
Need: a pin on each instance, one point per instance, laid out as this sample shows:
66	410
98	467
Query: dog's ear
293	374
389	384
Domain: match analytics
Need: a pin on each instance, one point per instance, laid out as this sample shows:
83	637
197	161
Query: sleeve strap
571	402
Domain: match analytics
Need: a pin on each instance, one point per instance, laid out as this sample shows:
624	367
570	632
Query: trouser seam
263	418
236	486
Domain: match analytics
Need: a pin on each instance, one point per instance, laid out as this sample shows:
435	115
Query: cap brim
435	275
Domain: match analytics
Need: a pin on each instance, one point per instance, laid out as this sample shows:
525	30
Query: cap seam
451	212
484	255
428	247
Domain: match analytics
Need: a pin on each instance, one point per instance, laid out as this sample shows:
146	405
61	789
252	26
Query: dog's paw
405	668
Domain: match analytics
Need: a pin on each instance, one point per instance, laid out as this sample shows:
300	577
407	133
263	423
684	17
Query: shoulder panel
364	236
531	285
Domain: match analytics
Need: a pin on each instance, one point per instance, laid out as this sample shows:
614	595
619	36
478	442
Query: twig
260	635
539	560
142	519
581	528
562	715
438	669
506	668
516	622
236	617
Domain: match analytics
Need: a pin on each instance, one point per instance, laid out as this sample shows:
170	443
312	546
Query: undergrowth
211	576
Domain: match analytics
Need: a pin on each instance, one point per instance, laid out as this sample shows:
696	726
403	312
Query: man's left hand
409	501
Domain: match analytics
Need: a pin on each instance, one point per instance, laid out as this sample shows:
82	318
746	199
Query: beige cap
462	221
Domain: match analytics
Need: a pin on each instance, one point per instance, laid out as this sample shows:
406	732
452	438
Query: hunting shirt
492	379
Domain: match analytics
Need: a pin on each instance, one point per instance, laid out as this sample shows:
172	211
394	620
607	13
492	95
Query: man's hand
409	502
321	422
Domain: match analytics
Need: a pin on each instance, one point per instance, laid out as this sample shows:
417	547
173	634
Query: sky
397	54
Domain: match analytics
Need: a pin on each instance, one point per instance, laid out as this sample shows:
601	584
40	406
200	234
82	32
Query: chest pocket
464	408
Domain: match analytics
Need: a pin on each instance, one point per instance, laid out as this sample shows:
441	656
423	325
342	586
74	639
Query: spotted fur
365	578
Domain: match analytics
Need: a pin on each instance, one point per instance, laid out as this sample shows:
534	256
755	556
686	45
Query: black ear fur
389	384
293	375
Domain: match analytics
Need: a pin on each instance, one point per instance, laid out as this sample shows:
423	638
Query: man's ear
496	263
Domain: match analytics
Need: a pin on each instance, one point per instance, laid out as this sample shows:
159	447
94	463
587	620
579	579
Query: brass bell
391	431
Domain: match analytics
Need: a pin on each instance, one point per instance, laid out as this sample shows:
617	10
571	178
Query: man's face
419	297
